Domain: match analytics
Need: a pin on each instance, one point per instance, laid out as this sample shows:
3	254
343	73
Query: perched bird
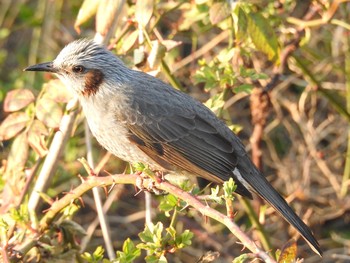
139	118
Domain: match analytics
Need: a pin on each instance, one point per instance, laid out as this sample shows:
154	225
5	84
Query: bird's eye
78	69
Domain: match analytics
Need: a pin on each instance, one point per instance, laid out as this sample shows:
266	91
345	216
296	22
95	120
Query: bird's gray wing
182	139
177	131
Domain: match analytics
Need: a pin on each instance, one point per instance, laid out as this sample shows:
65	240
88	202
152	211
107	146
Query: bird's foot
145	183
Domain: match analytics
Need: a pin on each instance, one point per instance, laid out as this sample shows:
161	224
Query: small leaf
12	125
241	259
247	88
57	91
106	15
226	55
131	252
129	41
263	35
73	227
162	259
156	55
168	203
152	259
229	188
288	253
49	112
170	44
97	255
139	56
19	154
186	238
144	11
36	137
17	99
216	102
87	10
240	22
214	196
218	12
147	235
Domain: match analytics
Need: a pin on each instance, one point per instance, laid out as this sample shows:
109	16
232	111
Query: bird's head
83	66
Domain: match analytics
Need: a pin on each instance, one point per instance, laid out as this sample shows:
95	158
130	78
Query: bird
140	118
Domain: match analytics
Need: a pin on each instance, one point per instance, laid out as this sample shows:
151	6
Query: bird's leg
159	176
152	180
156	179
139	182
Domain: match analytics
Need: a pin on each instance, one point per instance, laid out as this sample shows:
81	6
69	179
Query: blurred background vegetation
278	72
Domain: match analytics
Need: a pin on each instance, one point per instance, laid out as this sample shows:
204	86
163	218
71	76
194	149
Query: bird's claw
149	185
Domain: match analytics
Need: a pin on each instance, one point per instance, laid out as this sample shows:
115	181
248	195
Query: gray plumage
139	118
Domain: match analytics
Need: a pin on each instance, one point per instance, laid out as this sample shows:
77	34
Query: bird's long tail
262	187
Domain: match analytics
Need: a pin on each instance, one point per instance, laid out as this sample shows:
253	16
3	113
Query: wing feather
182	144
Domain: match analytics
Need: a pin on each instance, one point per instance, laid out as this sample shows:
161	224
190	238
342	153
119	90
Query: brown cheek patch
93	80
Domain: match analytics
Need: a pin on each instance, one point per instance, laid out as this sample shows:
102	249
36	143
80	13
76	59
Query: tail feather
255	181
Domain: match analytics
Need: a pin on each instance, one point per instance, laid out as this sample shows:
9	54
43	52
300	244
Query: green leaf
21	214
139	167
216	102
241	259
156	259
186	238
247	88
229	188
168	203
99	251
214	196
171	231
240	22
257	76
263	35
152	233
146	235
130	252
152	259
95	257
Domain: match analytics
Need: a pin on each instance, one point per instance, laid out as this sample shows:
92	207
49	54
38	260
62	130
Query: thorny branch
205	210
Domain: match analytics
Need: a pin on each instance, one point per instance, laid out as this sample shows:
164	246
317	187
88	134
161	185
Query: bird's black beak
47	66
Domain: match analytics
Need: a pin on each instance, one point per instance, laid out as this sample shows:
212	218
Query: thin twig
200	52
106	232
346	174
112	196
50	163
